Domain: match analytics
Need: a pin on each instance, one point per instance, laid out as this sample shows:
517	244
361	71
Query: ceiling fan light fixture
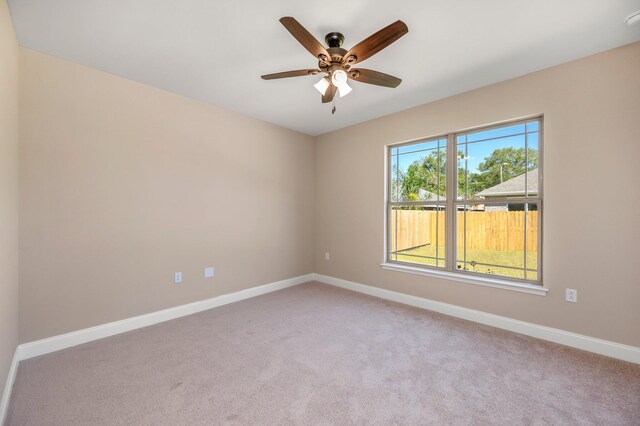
339	79
322	85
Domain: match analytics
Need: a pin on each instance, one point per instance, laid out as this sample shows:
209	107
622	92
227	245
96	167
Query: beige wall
123	184
592	197
8	193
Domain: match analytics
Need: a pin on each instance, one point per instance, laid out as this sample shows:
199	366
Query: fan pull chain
333	110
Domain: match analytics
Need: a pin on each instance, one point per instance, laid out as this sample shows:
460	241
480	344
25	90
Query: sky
477	148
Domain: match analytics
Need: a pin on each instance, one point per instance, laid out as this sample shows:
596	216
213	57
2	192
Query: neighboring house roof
514	186
424	195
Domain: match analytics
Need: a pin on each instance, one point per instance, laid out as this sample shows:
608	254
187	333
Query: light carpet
316	354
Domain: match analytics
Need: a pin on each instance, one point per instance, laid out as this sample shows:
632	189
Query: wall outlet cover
572	295
178	277
209	272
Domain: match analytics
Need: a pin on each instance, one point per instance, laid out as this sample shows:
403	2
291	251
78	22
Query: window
469	202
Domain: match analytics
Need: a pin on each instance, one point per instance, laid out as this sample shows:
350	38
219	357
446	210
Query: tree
510	162
428	174
396	183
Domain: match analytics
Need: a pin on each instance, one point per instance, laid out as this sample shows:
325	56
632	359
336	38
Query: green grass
514	258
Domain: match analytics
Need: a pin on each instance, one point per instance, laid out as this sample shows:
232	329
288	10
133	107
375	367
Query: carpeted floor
316	354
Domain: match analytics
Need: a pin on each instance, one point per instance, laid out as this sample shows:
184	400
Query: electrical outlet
327	256
572	295
178	277
209	272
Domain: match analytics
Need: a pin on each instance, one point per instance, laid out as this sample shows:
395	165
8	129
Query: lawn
513	258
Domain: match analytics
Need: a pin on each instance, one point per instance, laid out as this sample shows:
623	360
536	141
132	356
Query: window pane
463	168
532	163
417	234
418	171
418	146
532	242
492	240
394	176
494	163
496	132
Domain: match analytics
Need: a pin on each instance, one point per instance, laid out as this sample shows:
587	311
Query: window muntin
491	209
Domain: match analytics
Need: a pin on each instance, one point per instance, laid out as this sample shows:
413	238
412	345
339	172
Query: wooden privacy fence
485	230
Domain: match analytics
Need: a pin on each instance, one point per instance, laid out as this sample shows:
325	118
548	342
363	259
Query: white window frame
449	271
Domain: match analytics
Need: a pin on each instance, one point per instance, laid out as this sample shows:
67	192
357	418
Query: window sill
487	282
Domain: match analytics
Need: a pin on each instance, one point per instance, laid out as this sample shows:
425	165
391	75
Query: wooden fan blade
373	77
286	74
304	37
329	94
376	42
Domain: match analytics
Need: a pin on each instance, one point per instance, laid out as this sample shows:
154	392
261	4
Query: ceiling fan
336	62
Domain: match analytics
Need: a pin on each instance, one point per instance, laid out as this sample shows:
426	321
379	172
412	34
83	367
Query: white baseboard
62	341
8	387
579	341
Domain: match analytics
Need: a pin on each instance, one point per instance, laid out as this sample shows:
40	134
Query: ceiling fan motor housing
334	40
337	53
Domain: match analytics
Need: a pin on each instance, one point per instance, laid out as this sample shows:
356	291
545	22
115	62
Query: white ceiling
216	50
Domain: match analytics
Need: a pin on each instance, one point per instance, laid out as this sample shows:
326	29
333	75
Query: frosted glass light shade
322	85
339	79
